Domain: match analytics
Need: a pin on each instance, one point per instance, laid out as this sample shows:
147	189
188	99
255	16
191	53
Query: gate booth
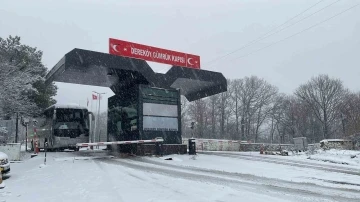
146	104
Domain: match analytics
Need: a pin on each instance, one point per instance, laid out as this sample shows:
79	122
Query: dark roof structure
119	73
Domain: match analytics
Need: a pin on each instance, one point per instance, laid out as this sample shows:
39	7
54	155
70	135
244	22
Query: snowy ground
273	167
98	176
350	158
338	156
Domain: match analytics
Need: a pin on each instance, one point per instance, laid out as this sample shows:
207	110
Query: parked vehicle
4	163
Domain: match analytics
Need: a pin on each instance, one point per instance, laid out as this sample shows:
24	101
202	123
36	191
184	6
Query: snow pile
332	140
2	185
3	155
42	166
332	156
347	157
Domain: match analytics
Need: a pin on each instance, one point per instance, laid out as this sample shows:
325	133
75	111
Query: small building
300	143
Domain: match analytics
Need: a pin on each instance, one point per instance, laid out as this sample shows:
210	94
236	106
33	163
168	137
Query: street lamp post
98	116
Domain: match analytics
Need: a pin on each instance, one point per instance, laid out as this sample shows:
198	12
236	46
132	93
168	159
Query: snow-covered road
299	162
95	176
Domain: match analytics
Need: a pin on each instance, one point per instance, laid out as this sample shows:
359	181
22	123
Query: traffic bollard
159	148
36	147
46	145
192	147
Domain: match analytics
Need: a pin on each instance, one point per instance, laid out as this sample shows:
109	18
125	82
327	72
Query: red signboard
149	53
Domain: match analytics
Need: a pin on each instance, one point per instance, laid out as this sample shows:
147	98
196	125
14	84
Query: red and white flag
94	97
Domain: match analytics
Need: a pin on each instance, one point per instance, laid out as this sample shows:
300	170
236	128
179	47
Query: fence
10	126
233	145
13	150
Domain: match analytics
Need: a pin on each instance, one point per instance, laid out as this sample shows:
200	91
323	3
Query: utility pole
25	123
26	137
98	116
17	127
192	129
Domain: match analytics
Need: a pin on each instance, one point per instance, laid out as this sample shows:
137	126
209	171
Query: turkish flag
94	97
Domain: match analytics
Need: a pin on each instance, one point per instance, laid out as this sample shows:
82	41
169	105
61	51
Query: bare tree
197	113
323	95
213	102
236	109
291	117
276	112
279	116
252	109
350	114
256	96
225	110
267	94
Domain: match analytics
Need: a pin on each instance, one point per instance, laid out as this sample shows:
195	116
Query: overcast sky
210	28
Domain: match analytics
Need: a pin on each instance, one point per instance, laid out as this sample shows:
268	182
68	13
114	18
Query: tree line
22	80
254	110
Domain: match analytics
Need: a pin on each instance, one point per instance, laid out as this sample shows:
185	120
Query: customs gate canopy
119	73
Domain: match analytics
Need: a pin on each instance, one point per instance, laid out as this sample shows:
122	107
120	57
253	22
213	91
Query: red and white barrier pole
119	142
216	140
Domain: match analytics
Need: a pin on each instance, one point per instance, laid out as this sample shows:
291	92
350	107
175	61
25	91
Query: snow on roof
66	106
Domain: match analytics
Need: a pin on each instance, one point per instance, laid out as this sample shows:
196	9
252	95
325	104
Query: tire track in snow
109	180
251	183
249	180
296	161
143	180
293	163
250	177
